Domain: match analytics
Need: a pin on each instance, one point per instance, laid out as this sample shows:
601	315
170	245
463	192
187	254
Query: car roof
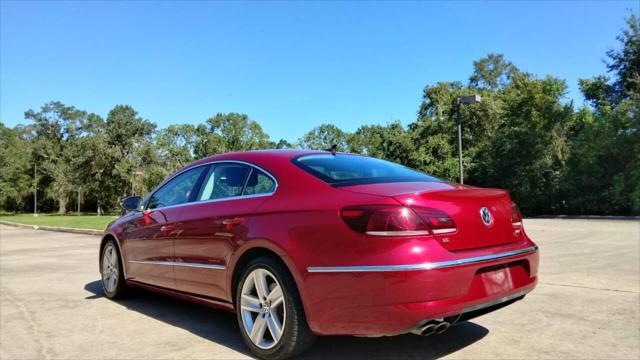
258	156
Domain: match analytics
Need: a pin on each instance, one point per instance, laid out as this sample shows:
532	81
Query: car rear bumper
391	299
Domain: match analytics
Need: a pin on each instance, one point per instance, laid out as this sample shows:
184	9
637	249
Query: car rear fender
259	246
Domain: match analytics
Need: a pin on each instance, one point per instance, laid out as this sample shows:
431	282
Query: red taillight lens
516	217
439	221
383	220
395	221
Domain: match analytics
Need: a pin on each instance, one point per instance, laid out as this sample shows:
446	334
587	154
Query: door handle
233	221
167	229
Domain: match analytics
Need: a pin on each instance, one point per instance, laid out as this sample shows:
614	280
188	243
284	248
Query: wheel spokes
275	328
106	278
112	283
250	303
261	308
109	269
258	329
275	297
109	256
260	282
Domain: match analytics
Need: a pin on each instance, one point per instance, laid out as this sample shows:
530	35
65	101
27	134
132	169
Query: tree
625	62
283	144
16	177
529	150
434	133
126	135
229	132
603	172
516	138
492	73
56	129
324	137
391	142
93	155
176	145
598	91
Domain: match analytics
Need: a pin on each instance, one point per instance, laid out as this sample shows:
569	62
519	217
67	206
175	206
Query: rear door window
259	183
224	181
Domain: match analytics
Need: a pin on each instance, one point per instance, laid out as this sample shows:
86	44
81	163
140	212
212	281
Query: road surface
587	305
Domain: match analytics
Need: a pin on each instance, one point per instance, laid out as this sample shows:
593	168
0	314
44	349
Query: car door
218	222
149	248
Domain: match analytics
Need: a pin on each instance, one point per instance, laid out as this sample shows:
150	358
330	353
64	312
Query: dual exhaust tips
432	328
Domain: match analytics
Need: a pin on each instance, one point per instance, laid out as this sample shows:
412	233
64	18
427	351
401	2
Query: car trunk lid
466	205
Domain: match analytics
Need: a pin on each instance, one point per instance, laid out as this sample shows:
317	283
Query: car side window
259	183
177	191
224	181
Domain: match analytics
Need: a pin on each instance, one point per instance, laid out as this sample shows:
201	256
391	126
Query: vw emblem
486	217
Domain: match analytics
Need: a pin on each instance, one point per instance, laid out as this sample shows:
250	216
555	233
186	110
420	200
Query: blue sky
290	66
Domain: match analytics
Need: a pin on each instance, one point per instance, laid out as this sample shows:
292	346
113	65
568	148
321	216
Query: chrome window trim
163	183
423	266
177	263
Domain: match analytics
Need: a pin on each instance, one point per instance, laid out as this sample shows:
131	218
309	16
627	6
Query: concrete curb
586	217
54	228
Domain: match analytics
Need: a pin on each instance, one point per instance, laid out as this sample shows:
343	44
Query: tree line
525	136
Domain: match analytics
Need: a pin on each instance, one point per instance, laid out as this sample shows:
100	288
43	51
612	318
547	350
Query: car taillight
439	222
516	217
385	220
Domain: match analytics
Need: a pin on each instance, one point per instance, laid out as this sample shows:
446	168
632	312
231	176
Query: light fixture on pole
463	100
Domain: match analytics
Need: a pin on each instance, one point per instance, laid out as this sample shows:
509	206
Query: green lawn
70	221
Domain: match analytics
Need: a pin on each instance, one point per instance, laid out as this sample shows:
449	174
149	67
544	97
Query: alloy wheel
262	307
109	268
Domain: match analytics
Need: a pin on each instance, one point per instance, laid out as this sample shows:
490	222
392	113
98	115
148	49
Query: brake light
439	221
516	217
384	220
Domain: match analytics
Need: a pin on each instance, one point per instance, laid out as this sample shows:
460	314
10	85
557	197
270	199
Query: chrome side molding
177	263
423	266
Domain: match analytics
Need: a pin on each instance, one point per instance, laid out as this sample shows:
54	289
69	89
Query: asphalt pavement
587	305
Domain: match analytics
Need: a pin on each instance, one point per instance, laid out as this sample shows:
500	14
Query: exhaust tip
428	330
442	327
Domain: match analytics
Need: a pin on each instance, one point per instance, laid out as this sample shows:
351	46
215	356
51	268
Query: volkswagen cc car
307	243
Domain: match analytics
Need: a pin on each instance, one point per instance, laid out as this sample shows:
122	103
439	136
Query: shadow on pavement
221	327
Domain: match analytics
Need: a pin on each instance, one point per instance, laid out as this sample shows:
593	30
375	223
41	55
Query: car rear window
345	170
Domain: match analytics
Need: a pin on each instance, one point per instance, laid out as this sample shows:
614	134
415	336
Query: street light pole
35	189
35	184
134	179
463	100
459	122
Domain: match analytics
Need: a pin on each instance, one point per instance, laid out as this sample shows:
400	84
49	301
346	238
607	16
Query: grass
70	221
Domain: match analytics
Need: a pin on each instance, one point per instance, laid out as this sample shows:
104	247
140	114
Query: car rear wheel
113	283
270	312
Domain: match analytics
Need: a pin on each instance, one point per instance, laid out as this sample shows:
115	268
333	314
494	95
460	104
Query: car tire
270	311
113	283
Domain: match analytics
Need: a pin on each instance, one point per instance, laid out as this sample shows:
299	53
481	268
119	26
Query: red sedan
306	243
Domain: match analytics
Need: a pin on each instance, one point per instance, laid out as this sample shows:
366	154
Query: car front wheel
113	284
270	312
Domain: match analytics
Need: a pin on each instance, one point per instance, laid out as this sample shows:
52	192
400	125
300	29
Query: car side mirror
131	203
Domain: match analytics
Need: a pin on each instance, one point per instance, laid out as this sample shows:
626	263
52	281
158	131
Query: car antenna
333	149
